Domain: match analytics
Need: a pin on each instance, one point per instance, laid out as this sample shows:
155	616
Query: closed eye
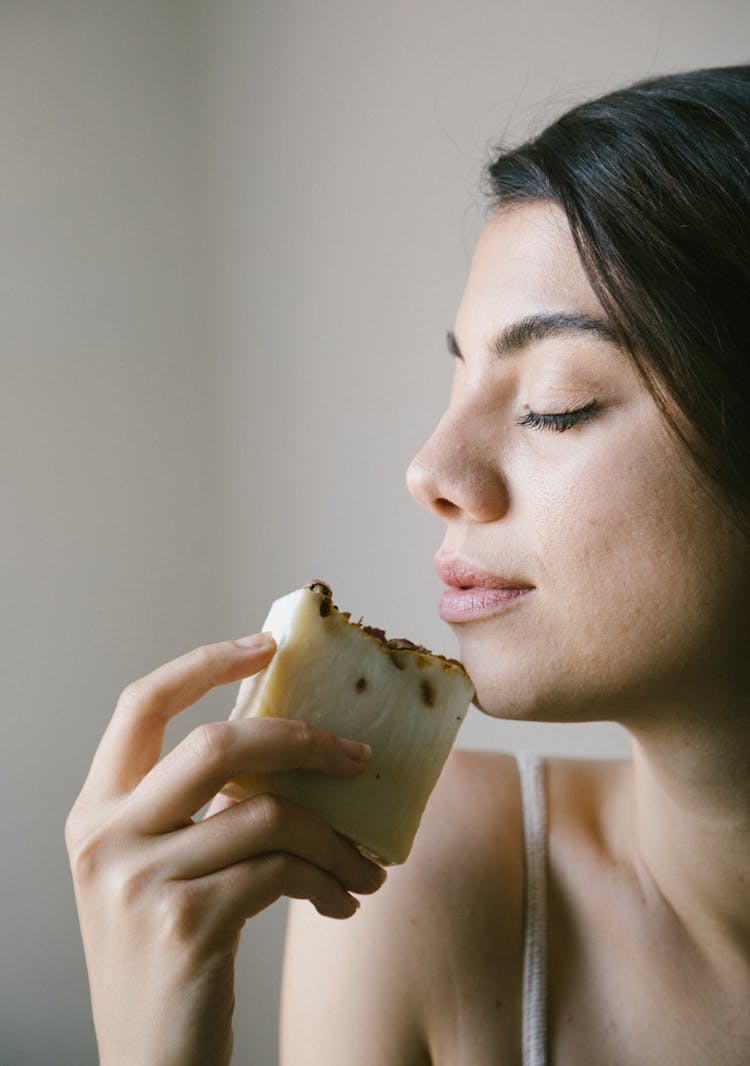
560	420
452	345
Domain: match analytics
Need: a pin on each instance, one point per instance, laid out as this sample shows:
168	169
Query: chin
510	705
519	701
506	686
538	679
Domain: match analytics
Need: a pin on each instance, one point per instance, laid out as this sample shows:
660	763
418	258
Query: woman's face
586	568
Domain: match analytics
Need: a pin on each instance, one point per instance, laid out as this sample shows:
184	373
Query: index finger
133	740
215	753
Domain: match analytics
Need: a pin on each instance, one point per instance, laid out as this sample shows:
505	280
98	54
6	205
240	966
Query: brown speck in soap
325	608
428	694
361	684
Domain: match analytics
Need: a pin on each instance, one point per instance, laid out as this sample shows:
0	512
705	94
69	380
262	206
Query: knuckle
132	695
99	855
303	733
289	875
179	912
285	874
304	881
267	812
285	871
212	742
127	886
72	829
86	853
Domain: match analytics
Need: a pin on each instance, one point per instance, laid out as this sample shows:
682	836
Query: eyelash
559	421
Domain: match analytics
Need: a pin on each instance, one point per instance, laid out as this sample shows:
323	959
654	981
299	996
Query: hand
162	898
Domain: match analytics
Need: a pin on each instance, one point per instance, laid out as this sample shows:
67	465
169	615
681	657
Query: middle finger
260	825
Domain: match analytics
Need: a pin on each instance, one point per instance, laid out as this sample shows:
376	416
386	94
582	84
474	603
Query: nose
458	475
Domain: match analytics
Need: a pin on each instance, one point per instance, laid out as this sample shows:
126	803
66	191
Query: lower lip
466	605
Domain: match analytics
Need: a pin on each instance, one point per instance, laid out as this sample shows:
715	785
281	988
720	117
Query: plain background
233	237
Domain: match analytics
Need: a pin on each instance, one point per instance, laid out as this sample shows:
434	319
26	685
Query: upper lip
463	574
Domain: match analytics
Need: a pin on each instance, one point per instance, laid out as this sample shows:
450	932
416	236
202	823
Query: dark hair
655	182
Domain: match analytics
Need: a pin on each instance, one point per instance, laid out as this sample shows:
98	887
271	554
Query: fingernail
377	876
258	641
355	750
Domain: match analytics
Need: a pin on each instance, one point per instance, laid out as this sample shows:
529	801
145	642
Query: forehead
525	262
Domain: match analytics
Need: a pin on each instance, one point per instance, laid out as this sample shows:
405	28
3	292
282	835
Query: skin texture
638	614
162	899
606	520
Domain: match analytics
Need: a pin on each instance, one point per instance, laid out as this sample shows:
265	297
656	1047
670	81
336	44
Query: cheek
612	532
642	585
642	576
619	546
611	505
583	519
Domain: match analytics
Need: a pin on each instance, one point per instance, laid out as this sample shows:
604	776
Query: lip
475	593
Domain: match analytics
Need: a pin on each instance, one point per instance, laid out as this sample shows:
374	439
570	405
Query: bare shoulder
431	963
584	797
470	845
588	837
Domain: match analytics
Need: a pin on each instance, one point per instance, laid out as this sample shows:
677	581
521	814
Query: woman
592	473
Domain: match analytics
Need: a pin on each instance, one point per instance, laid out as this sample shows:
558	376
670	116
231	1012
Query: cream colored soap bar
406	703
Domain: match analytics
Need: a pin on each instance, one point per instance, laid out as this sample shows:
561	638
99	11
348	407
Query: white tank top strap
531	770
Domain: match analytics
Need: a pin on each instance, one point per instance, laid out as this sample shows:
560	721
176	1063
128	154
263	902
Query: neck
690	810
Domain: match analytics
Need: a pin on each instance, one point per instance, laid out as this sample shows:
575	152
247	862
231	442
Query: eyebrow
538	327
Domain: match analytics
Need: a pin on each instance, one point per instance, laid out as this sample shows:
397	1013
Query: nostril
444	507
450	462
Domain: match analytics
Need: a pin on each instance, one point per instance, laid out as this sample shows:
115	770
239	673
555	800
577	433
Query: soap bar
348	678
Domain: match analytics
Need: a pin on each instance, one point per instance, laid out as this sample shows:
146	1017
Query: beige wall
233	236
